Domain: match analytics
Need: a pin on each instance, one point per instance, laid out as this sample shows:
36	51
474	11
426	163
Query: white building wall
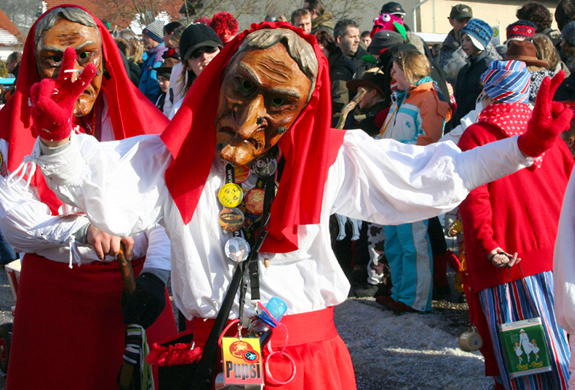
431	15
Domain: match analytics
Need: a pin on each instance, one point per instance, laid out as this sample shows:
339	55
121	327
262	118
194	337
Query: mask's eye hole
278	102
84	55
56	59
246	85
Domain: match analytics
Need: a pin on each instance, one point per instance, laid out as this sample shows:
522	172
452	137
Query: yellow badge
231	195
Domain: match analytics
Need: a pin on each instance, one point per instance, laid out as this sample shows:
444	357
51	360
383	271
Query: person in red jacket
517	214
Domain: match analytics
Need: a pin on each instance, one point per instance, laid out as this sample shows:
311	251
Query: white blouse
121	186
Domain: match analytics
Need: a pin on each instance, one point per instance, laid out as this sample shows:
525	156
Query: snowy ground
408	351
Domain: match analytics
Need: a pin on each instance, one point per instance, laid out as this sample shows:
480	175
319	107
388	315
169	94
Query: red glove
549	119
53	100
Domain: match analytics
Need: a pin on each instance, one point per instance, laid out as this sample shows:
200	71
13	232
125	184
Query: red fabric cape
309	148
131	112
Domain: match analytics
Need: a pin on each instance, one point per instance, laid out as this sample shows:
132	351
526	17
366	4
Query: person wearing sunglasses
199	44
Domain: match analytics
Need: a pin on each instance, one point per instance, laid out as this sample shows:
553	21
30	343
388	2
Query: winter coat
325	22
468	85
419	118
148	78
566	90
554	35
448	47
134	72
359	64
341	71
369	123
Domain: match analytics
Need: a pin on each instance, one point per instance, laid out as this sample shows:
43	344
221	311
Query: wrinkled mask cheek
85	102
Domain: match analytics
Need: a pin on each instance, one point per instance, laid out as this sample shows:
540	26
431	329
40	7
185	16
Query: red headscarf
309	148
131	112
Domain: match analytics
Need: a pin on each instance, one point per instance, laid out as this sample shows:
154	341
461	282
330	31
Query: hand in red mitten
53	100
549	119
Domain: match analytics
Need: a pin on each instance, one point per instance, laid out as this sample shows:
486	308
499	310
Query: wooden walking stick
349	107
127	370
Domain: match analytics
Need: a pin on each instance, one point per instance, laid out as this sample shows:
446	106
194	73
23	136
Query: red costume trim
322	360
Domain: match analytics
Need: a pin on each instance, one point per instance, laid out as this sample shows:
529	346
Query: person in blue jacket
154	45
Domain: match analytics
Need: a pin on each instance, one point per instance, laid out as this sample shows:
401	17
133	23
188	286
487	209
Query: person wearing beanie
152	36
164	72
199	44
225	25
500	229
520	30
476	35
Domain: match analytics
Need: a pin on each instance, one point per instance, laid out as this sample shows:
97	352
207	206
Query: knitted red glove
549	119
53	100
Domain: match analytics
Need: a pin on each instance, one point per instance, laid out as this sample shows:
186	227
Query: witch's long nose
249	119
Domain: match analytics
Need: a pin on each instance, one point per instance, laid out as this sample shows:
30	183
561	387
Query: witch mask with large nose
263	91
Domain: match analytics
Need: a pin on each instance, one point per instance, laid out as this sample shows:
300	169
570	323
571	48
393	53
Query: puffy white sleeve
564	263
389	183
27	223
158	253
120	184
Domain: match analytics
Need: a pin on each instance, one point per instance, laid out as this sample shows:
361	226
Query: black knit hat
392	8
384	39
197	35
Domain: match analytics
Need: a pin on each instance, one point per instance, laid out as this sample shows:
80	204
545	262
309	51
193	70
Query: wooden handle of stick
349	107
127	370
127	272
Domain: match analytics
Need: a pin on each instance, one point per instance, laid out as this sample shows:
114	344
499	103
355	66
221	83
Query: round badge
247	223
231	195
255	201
237	249
264	166
231	220
242	173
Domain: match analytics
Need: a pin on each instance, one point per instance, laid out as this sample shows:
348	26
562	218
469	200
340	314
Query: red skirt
321	357
68	330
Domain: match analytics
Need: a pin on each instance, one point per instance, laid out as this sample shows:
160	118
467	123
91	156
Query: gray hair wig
72	14
298	48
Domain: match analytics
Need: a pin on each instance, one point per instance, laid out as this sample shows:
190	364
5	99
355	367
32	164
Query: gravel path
408	351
